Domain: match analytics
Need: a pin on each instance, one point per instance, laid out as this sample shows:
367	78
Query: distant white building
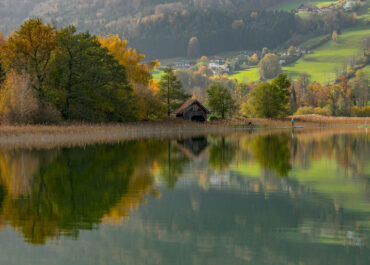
183	65
218	67
218	60
349	5
282	61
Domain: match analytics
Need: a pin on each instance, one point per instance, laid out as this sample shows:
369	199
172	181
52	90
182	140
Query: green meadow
248	75
157	74
291	5
323	63
367	70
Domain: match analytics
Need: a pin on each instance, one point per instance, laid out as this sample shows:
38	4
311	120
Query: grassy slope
248	75
367	70
324	62
290	5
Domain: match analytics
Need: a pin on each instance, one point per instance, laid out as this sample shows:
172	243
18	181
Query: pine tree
171	92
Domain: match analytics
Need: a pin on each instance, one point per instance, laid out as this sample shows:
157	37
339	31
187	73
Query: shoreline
70	135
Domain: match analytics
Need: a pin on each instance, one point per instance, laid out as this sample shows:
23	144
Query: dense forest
162	28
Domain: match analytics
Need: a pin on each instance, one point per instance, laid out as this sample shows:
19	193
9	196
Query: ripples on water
270	198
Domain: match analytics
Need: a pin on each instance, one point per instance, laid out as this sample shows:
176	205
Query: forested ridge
162	28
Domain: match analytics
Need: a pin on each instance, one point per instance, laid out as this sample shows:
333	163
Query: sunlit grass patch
291	5
157	74
248	75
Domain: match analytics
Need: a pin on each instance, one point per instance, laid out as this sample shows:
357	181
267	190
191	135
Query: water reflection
63	191
258	198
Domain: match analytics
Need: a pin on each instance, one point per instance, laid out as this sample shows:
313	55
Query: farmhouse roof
187	104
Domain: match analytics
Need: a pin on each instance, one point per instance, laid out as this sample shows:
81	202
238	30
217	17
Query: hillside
108	16
328	59
162	28
322	63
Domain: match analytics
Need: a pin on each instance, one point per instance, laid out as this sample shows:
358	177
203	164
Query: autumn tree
17	101
333	94
193	48
2	70
240	94
334	35
253	60
29	50
291	50
171	92
220	100
138	74
361	88
304	79
269	66
314	95
137	71
270	100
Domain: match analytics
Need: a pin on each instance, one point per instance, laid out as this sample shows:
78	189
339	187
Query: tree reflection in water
290	197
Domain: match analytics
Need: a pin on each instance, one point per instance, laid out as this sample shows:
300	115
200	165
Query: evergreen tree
171	91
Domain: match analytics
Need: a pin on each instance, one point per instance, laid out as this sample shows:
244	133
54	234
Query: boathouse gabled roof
189	103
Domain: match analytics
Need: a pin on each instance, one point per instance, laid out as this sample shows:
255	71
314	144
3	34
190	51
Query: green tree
270	100
269	66
171	91
88	82
220	100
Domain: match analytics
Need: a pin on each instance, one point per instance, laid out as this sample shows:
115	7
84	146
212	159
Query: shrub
213	118
47	114
360	112
305	110
322	111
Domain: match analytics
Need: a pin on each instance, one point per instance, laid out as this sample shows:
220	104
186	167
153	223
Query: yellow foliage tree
138	74
29	50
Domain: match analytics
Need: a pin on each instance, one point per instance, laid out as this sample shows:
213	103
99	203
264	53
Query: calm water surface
266	198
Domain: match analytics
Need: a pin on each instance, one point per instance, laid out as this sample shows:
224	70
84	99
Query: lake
267	197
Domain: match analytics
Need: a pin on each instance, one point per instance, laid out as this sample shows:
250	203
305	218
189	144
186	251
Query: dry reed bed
80	135
51	136
307	120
